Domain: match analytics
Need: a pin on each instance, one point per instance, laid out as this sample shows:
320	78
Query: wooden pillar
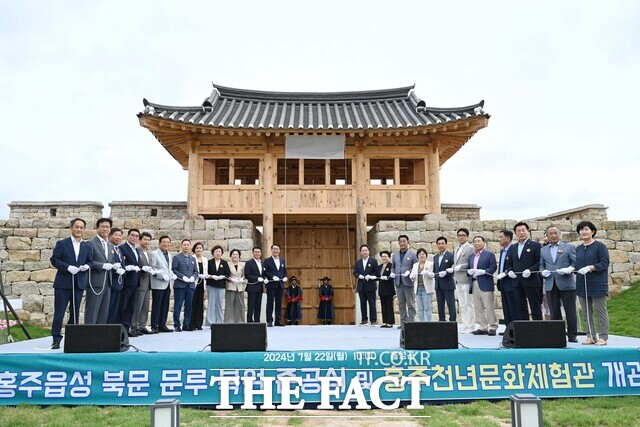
361	195
434	176
268	191
195	174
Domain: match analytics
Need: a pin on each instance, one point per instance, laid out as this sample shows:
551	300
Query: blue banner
322	378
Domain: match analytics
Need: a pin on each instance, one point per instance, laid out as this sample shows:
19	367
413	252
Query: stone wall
622	238
26	245
148	209
90	211
460	211
588	212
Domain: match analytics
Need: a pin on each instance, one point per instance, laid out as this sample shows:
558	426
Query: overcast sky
559	79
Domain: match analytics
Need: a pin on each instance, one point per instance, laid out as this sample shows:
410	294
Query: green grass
18	334
623	312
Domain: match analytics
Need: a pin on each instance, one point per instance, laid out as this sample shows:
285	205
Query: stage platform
347	359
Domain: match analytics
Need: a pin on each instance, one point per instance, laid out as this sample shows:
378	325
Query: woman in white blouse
424	285
234	293
197	310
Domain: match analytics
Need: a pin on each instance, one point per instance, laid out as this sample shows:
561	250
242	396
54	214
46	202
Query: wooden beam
195	174
268	186
434	177
362	181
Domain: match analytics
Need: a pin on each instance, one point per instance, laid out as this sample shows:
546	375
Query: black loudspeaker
95	339
239	337
535	334
429	335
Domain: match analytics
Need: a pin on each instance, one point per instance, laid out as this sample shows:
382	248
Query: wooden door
313	252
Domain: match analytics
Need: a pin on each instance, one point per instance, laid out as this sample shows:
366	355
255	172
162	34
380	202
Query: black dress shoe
154	330
278	324
492	333
270	325
479	332
178	329
134	333
573	339
187	329
55	345
144	331
164	328
199	328
501	333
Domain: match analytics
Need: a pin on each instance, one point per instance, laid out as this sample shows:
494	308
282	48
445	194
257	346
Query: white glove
185	278
512	275
457	267
117	265
361	277
73	269
392	275
202	276
501	275
449	270
384	277
431	274
260	279
412	277
129	267
120	271
275	279
192	279
526	274
546	273
480	272
471	271
236	280
442	274
584	270
566	270
165	277
173	276
152	272
147	269
406	273
106	266
84	267
424	272
284	279
367	277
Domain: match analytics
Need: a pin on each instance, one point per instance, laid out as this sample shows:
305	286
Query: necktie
106	252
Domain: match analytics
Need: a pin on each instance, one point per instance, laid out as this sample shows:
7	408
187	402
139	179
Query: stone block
628	225
218	234
45	255
414	236
38	319
608	225
478	225
151	223
39	243
232	233
634	256
25	232
450	225
18	243
620	278
615	235
23	315
389	236
48	304
636	246
631	235
617	256
46	275
12	223
610	244
36	265
241	244
17	276
240	223
198	224
224	223
625	266
201	235
210	224
25	288
431	225
494	225
6	232
4	255
30	255
40	223
429	236
383	226
416	226
46	288
133	223
12	266
223	243
624	246
33	303
172	224
246	234
48	233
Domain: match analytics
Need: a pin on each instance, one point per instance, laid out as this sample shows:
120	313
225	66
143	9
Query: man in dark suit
365	270
275	272
523	258
96	310
117	275
481	266
445	284
72	257
505	285
254	273
131	264
185	268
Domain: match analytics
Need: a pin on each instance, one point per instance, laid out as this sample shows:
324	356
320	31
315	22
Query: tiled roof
297	111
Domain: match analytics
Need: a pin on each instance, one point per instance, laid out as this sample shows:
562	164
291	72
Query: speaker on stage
429	335
239	337
535	334
95	339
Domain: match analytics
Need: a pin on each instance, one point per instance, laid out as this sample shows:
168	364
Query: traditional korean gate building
313	169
